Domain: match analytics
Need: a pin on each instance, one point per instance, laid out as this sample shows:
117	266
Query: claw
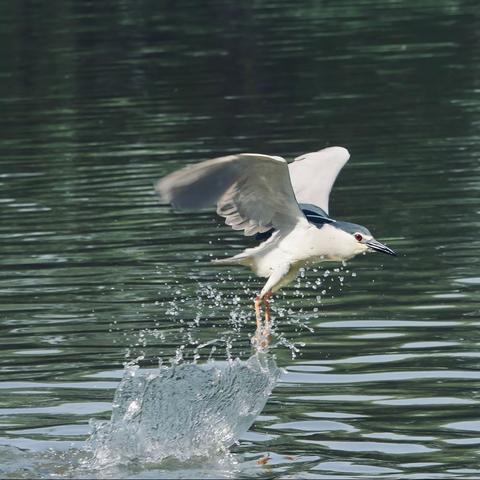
259	341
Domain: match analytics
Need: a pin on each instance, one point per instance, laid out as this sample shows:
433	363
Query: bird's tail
240	259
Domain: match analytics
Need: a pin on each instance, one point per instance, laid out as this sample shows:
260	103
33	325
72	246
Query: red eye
358	237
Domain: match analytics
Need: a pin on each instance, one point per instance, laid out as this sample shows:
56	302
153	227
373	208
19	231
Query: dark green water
100	99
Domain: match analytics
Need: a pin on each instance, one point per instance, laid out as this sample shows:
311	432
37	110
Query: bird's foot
260	341
262	337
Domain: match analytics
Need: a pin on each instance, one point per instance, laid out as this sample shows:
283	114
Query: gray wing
314	174
252	191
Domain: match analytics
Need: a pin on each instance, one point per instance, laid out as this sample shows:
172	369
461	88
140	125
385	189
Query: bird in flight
284	204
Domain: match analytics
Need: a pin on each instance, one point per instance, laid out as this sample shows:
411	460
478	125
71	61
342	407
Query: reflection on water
100	100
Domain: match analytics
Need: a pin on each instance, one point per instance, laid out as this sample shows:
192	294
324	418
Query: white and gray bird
285	205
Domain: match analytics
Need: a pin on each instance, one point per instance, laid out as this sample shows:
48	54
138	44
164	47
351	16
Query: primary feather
313	175
252	191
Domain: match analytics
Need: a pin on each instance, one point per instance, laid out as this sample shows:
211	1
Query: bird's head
361	240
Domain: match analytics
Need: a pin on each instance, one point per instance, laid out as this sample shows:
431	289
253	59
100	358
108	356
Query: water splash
209	320
183	411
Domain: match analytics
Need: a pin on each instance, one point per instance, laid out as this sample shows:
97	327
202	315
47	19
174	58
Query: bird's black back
314	214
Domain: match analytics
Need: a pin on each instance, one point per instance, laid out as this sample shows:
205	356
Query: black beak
379	247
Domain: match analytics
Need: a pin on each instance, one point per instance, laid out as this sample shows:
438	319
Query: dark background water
100	99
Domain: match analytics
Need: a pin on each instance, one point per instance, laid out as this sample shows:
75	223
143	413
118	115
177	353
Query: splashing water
191	410
183	411
209	320
186	416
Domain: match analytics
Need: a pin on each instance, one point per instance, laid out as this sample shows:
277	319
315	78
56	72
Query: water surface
99	100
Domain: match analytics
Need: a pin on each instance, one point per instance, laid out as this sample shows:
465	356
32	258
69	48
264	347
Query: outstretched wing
314	174
252	191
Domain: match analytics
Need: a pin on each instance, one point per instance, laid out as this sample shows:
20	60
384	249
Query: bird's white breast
302	246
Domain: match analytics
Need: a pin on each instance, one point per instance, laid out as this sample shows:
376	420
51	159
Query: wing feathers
313	175
253	192
209	178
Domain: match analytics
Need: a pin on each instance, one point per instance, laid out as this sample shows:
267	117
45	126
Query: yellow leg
262	335
258	314
267	313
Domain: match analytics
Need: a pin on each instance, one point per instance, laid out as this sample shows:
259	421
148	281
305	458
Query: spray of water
188	409
182	411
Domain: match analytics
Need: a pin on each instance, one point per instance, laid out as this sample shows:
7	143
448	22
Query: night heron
285	205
